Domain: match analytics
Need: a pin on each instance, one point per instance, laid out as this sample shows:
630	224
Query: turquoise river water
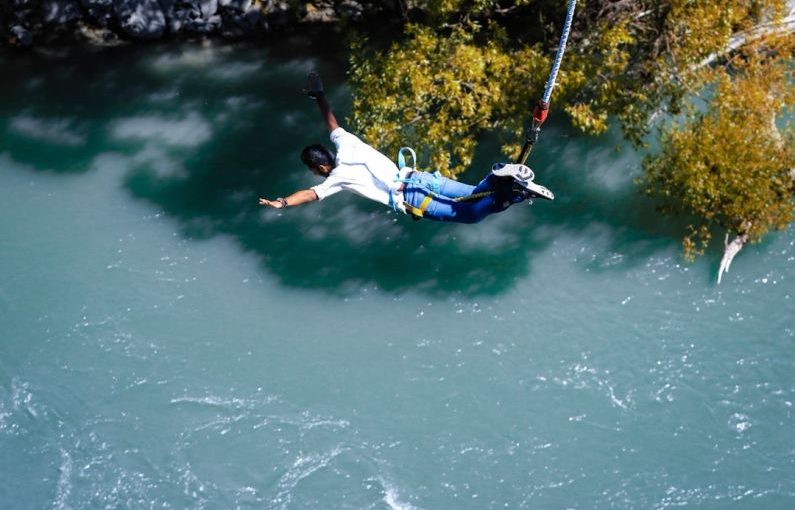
167	344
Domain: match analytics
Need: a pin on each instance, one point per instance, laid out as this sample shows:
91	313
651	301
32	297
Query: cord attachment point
540	113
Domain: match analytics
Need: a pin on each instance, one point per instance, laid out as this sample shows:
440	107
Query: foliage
463	67
730	166
440	91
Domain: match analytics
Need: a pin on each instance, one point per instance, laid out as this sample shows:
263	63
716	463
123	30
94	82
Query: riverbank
27	23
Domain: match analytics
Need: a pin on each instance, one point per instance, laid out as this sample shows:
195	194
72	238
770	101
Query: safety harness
418	212
415	212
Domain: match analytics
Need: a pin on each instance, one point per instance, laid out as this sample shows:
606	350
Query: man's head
319	159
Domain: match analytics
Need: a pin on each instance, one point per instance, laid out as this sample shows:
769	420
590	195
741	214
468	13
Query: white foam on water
229	403
493	234
391	498
163	96
616	175
299	66
160	162
192	57
64	487
347	221
234	70
740	422
293	118
190	131
581	376
7	408
303	466
222	423
58	131
23	398
191	485
306	422
320	422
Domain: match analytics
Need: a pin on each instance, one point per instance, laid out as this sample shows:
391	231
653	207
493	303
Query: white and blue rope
564	37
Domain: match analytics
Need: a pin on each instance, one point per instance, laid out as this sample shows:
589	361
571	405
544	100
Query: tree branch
783	26
731	249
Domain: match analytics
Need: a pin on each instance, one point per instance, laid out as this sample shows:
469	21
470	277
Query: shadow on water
206	130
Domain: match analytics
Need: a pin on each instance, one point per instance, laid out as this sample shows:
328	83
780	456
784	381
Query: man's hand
297	198
276	204
315	90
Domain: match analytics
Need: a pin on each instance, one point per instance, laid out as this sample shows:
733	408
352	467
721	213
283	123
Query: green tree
463	67
730	166
441	92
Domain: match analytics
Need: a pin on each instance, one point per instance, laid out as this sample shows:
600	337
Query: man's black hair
316	155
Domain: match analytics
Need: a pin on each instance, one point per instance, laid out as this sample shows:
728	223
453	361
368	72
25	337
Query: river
166	343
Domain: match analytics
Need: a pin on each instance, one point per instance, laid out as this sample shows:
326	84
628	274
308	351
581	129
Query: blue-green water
165	343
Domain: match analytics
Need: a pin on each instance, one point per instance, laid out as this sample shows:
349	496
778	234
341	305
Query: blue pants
444	190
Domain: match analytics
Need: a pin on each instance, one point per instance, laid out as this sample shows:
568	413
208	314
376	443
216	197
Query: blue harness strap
401	163
402	158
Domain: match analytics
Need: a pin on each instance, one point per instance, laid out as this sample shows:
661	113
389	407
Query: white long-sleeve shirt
362	170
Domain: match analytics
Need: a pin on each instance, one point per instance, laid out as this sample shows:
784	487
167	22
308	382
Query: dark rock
97	36
60	12
22	35
214	24
253	18
192	16
23	11
279	14
202	26
237	24
350	9
178	16
104	21
178	13
322	13
100	11
208	8
240	6
105	4
141	19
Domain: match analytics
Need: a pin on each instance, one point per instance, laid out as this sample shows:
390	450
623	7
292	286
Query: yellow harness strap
419	212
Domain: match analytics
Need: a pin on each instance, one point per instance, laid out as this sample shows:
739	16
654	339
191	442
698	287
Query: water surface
165	343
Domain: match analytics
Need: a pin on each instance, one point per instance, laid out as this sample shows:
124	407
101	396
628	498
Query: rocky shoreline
25	23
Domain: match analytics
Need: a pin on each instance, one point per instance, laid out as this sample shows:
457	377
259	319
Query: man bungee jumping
360	168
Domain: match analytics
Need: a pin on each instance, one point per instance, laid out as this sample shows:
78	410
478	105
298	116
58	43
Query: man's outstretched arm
327	114
316	92
297	198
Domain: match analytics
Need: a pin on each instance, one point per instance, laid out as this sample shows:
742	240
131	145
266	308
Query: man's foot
513	170
523	180
533	190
